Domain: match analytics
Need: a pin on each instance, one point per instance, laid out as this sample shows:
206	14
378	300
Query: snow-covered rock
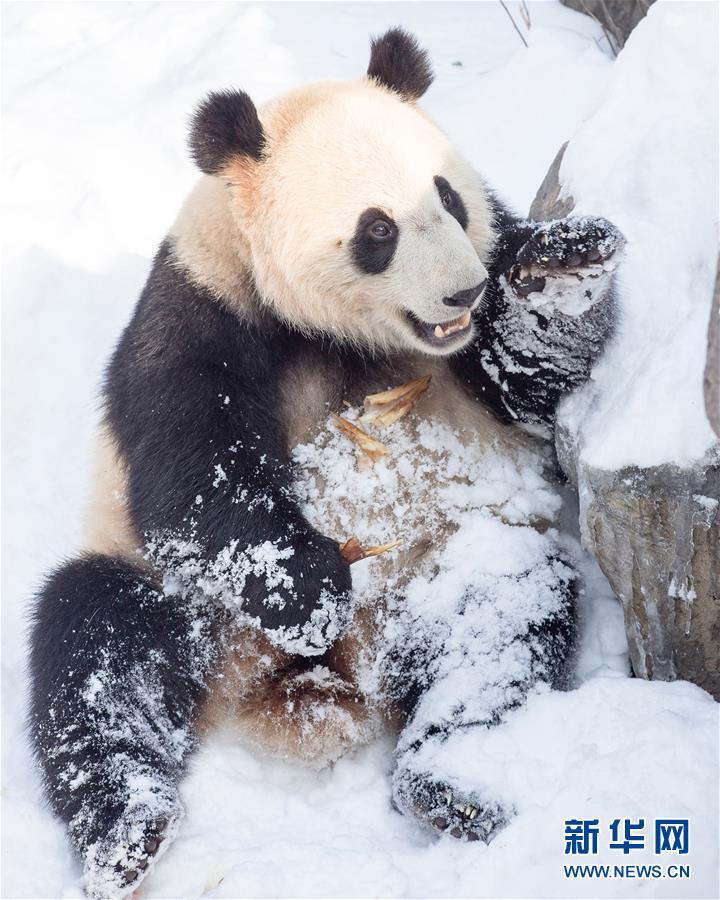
712	363
636	440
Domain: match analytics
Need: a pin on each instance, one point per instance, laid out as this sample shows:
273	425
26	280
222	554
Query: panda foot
566	263
466	818
142	852
444	810
115	867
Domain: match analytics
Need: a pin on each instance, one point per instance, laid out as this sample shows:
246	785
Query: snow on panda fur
337	246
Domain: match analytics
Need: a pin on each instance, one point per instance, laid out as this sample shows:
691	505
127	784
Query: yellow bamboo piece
353	551
367	445
386	407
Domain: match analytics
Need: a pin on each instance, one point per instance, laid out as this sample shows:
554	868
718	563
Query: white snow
648	161
95	105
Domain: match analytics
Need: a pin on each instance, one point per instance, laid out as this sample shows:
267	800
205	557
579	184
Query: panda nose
467	297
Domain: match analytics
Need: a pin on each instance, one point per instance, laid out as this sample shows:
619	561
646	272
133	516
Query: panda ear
398	62
225	125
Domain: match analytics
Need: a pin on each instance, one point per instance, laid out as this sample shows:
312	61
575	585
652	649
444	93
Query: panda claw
563	249
529	285
151	846
445	812
136	851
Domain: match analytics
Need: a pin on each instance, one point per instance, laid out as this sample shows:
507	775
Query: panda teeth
448	328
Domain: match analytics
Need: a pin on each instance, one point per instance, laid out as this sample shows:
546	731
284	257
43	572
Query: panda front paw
567	264
311	608
443	809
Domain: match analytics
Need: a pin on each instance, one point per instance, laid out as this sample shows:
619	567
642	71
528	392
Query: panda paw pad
469	821
570	250
141	853
116	867
444	810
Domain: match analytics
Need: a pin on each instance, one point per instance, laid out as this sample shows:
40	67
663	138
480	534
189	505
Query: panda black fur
332	250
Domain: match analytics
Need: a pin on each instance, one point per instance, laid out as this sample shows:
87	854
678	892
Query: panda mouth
441	334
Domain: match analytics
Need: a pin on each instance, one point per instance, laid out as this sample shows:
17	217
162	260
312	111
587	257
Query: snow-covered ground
96	99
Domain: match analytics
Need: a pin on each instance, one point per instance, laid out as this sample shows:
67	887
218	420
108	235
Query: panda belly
448	462
466	497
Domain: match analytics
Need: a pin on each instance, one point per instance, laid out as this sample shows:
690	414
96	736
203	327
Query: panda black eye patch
374	242
451	201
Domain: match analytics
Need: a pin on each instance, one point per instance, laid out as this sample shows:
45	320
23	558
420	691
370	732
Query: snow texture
658	182
96	102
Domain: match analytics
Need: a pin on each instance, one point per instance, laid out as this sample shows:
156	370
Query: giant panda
337	248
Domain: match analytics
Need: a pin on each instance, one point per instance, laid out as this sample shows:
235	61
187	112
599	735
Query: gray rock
618	17
655	533
548	202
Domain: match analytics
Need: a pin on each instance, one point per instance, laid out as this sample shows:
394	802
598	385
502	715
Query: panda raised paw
568	261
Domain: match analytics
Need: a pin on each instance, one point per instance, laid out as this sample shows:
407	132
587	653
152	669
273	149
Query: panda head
357	216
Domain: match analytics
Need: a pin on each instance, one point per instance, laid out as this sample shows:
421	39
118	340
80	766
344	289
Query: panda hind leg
118	673
427	784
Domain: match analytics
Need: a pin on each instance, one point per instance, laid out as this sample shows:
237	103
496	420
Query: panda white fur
337	246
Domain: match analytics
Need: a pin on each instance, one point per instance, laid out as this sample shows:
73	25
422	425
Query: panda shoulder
209	246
